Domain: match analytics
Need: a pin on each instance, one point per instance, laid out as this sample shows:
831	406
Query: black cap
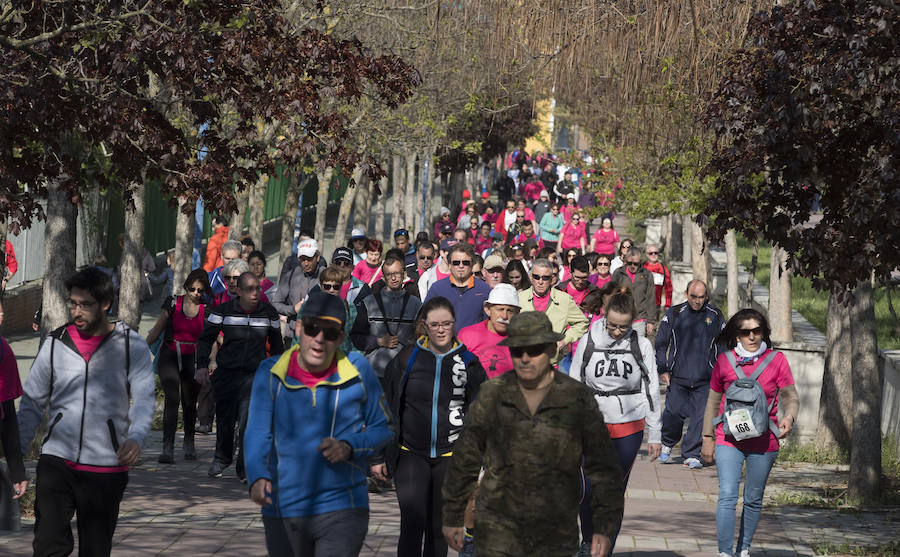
342	253
324	306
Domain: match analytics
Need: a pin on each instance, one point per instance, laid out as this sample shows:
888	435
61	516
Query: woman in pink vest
181	319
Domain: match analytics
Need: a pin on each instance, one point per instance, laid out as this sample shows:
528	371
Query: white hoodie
608	372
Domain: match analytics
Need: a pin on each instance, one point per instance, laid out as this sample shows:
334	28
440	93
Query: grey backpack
746	412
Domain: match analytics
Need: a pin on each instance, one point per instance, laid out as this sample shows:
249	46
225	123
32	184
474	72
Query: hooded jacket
94	405
286	422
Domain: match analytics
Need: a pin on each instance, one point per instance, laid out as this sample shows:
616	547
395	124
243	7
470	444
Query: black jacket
245	336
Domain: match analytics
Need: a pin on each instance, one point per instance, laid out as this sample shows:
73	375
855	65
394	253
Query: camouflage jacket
527	503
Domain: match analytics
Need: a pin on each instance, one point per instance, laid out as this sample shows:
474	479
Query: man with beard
481	338
97	427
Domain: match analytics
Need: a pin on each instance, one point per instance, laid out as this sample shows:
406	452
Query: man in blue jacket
686	352
466	292
316	416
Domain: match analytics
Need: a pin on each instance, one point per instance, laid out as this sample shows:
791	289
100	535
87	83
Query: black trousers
179	387
62	492
231	389
419	480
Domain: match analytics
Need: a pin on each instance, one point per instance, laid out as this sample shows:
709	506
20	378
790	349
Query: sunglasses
330	286
652	253
461	262
747	332
541	277
602	264
233	278
633	263
312	330
532	351
343	263
201	289
426	257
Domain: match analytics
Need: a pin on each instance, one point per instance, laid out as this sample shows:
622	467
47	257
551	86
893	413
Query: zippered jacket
428	395
245	335
85	397
686	343
371	324
288	420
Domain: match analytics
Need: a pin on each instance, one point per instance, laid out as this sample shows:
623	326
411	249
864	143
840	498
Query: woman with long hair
517	275
181	319
749	356
429	386
620	367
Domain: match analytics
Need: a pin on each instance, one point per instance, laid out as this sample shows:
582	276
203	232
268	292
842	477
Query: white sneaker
745	553
665	455
723	554
693	463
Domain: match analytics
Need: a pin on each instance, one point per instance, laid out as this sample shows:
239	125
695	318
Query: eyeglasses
73	305
393	275
330	286
233	278
312	330
461	262
201	289
747	332
613	327
541	277
532	351
439	326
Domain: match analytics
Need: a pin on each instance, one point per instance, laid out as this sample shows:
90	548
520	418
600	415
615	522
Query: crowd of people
500	370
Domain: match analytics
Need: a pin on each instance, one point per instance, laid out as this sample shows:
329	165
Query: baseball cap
447	229
466	194
449	243
357	234
545	194
307	248
528	329
485	195
496	235
492	262
342	253
570	196
320	305
504	294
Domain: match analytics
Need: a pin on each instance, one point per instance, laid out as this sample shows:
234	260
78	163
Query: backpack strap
638	357
586	355
52	369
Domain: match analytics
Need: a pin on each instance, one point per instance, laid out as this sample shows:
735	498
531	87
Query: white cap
545	194
504	294
357	233
570	196
307	248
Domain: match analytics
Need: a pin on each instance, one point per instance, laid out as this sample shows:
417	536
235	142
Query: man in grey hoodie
96	380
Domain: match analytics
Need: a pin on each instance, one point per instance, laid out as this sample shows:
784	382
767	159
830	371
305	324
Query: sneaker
723	554
693	463
205	429
216	469
745	553
584	550
665	455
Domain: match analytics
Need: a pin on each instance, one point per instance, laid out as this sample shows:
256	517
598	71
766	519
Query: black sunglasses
461	262
532	351
312	330
746	332
541	277
329	286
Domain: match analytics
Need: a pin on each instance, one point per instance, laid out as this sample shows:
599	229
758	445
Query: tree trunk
751	272
132	254
59	257
361	202
426	163
367	210
445	193
780	297
397	185
687	238
324	178
700	260
289	216
379	208
257	209
409	205
734	298
184	242
238	220
836	399
674	239
340	232
90	211
865	454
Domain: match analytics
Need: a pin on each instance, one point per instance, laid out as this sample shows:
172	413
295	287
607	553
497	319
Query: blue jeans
729	462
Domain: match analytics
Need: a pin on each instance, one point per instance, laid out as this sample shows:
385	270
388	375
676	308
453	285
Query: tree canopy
809	112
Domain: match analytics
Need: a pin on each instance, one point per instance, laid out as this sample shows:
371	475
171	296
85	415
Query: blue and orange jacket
287	422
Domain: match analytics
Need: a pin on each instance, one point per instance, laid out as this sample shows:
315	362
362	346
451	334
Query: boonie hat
492	262
504	294
357	234
320	305
342	253
528	329
307	248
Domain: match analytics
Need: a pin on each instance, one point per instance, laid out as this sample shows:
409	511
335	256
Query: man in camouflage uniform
530	430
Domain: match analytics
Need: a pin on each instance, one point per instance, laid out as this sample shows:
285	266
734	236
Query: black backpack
635	351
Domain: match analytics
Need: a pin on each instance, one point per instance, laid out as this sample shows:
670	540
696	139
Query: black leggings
177	387
419	480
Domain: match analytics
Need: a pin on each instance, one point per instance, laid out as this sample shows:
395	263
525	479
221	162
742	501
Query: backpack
746	414
635	351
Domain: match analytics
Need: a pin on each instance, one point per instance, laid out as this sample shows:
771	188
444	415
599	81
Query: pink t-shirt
366	273
483	343
578	295
605	241
571	236
541	303
439	274
778	375
86	346
309	378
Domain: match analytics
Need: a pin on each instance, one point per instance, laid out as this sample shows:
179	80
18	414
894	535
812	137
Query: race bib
740	424
658	278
